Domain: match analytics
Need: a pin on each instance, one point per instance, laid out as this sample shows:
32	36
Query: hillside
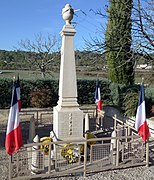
89	65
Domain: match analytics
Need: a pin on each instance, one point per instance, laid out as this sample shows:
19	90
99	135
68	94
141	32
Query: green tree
118	42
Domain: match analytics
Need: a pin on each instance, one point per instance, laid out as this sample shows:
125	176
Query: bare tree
143	26
143	32
41	52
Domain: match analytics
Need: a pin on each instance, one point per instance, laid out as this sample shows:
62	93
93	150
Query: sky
23	19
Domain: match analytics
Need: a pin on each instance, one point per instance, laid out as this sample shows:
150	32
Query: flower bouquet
71	152
45	147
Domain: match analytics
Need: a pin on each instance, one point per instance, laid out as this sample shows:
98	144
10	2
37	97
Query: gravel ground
135	173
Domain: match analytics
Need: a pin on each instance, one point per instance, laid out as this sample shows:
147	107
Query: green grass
84	74
37	75
25	74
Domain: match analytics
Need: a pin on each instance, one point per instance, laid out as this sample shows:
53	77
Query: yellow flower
69	153
91	136
45	147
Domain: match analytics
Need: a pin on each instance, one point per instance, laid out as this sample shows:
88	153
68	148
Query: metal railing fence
77	157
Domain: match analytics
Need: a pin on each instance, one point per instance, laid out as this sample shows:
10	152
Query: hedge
111	93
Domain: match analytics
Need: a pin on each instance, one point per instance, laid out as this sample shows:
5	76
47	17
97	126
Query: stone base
68	123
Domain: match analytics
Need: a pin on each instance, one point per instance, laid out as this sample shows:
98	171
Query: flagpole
147	141
17	76
96	111
96	104
147	152
14	79
142	79
142	83
10	166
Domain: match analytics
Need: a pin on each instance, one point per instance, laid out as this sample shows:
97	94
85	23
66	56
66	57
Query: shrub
44	93
5	93
40	98
130	103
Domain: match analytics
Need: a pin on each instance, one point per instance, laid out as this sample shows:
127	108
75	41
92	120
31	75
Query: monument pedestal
68	123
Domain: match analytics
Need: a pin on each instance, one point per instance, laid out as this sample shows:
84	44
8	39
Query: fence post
32	132
113	147
115	121
85	155
37	116
128	131
117	153
147	153
86	122
49	156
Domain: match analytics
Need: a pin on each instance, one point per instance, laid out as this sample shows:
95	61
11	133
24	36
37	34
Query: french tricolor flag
98	100
140	123
13	140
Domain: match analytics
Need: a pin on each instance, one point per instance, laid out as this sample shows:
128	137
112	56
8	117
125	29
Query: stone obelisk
68	118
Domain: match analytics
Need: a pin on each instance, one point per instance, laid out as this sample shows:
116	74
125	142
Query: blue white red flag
140	123
98	100
18	93
13	140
